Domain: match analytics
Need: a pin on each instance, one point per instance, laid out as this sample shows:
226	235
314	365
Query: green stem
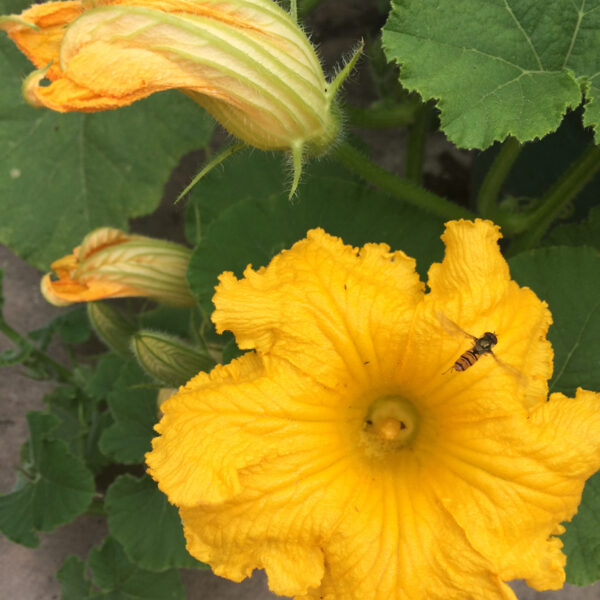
417	138
63	374
404	190
572	181
380	116
487	199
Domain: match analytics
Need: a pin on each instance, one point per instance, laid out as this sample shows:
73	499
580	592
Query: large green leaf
582	538
141	519
248	223
56	489
567	278
82	171
498	67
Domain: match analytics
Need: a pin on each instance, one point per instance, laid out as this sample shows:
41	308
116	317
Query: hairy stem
63	374
487	198
417	138
571	182
404	190
380	116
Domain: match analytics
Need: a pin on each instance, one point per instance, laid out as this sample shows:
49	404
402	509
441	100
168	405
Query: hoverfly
481	346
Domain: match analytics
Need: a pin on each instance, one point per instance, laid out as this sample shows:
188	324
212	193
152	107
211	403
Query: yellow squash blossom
110	263
344	457
246	61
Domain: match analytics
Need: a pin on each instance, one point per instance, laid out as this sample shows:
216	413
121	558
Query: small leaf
119	579
497	68
16	517
80	423
71	577
60	486
72	326
582	537
141	519
132	402
567	278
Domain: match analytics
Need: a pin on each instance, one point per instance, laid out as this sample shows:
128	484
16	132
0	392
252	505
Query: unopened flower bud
247	62
168	359
113	264
111	327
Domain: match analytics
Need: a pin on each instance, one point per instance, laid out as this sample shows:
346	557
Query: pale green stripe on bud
168	359
111	327
155	267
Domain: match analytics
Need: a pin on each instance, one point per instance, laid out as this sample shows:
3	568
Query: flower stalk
404	190
492	184
534	225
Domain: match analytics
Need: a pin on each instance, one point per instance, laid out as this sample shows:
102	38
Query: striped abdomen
468	359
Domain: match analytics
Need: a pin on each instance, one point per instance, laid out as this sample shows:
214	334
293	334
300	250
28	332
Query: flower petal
269	418
523	476
345	532
319	306
471	293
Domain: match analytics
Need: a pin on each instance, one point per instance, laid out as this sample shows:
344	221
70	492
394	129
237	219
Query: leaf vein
525	35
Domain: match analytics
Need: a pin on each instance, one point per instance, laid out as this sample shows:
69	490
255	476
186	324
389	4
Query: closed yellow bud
247	62
110	263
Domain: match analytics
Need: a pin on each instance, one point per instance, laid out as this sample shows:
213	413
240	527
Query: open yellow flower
246	61
343	457
110	263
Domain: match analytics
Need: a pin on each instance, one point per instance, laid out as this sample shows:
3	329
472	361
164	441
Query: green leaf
132	403
83	171
257	221
72	326
71	577
58	489
577	234
81	422
498	68
582	537
141	519
16	517
119	579
567	278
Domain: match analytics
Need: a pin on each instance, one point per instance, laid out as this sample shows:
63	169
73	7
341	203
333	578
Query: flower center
391	423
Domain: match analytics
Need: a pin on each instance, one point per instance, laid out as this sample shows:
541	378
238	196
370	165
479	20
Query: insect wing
450	327
511	369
